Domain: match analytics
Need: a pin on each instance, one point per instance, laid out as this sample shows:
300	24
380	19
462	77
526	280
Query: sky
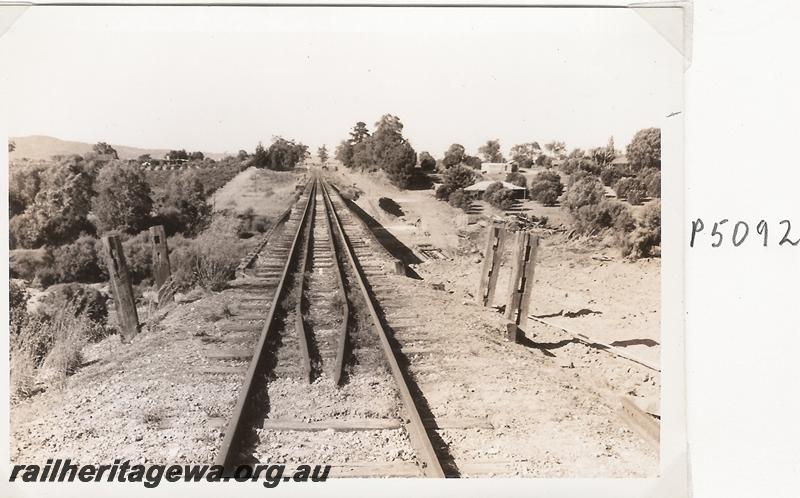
223	79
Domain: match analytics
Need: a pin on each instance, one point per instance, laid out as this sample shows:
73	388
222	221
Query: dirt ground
579	284
550	403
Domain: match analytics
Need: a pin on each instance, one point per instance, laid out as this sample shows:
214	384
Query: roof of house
480	186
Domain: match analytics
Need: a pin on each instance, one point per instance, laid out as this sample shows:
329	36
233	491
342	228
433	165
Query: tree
182	206
359	133
344	153
59	211
322	153
524	155
177	155
260	156
284	155
426	161
604	156
144	158
242	155
11	146
644	151
556	149
103	149
458	177
123	201
453	156
392	152
491	152
197	156
23	185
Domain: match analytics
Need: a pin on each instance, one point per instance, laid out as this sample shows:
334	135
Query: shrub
647	236
443	192
630	189
585	191
594	218
49	344
458	177
80	261
210	260
499	196
139	258
426	161
517	179
460	199
82	299
651	178
611	174
27	263
546	188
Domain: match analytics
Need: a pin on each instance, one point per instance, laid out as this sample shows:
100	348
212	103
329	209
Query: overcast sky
219	80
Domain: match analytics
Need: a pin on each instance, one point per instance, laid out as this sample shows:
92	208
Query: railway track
324	383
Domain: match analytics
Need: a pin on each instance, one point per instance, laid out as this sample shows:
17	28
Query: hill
43	147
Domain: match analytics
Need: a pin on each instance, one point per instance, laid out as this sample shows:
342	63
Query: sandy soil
613	300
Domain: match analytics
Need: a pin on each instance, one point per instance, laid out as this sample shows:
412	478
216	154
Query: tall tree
359	133
103	149
176	155
524	155
644	151
557	150
454	155
322	153
392	152
491	152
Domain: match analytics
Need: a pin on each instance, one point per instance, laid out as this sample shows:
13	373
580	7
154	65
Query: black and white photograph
292	244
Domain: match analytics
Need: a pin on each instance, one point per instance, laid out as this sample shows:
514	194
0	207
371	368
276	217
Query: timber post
161	269
491	263
524	262
121	289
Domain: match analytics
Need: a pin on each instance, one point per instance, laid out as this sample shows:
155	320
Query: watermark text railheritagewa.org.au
59	470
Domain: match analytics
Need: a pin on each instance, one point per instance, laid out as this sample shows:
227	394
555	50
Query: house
479	188
495	168
621	160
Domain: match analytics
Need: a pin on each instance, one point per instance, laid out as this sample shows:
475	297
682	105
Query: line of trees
282	154
386	150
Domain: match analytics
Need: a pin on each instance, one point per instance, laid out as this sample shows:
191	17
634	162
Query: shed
495	167
481	187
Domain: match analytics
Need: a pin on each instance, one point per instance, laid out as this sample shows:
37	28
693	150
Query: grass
47	350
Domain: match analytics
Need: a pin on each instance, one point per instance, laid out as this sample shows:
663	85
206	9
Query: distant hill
43	147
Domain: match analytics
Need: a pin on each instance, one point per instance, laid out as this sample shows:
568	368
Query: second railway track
324	384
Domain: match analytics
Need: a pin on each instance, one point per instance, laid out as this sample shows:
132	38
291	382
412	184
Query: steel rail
431	466
233	431
299	324
341	346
